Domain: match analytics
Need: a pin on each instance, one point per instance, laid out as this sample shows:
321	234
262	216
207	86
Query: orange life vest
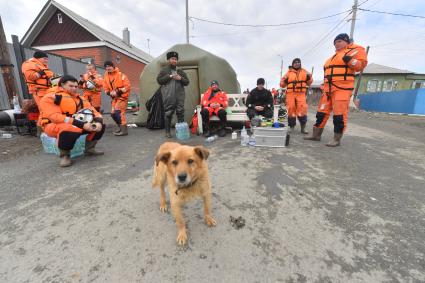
336	70
32	66
297	80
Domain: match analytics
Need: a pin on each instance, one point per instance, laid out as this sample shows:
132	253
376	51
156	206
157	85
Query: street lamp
281	66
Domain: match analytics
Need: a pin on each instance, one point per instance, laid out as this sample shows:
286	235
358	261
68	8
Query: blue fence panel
404	101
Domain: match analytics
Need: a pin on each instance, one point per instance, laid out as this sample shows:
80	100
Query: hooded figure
172	81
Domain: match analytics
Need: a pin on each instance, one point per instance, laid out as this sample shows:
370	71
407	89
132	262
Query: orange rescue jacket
339	74
58	106
96	79
220	97
117	81
296	80
30	68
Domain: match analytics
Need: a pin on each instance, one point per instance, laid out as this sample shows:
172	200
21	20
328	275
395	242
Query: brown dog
185	170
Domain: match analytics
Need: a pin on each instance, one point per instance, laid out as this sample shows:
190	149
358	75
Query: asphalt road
313	214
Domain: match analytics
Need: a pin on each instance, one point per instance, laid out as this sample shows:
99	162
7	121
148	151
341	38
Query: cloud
252	52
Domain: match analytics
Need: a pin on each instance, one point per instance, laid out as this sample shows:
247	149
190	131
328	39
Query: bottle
186	131
251	140
234	135
178	131
211	139
244	136
16	106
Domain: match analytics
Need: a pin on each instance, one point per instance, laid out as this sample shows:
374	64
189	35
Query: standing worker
172	81
296	81
338	87
91	83
37	75
117	86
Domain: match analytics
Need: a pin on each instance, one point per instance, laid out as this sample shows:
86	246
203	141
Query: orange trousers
95	99
119	109
296	104
67	134
37	96
338	102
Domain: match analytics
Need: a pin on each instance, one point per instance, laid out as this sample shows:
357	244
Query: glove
92	77
108	93
347	59
308	77
286	81
41	73
80	82
119	92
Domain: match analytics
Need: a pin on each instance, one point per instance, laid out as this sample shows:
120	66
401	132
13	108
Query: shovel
356	101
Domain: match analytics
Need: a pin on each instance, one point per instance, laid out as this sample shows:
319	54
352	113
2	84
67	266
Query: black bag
156	111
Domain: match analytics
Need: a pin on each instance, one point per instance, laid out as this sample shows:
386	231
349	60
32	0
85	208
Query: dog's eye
190	161
175	162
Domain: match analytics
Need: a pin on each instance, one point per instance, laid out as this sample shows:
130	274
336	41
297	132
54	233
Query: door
192	93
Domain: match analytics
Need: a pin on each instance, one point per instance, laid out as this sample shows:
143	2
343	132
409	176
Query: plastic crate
270	137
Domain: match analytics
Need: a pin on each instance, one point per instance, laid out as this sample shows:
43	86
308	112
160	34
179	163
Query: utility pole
353	19
281	66
6	67
187	21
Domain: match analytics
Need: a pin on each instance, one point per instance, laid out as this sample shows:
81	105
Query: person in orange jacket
214	102
117	86
296	81
91	83
338	87
57	108
37	75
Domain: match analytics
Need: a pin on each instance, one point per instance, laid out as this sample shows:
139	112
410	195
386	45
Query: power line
269	25
394	14
254	31
324	37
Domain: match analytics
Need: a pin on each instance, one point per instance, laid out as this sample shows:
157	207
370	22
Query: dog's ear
164	157
202	152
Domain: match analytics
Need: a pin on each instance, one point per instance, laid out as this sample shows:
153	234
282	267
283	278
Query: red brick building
61	31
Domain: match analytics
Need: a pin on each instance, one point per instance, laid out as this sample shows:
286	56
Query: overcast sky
253	52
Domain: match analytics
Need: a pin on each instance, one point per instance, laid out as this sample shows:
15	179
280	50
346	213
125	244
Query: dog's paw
163	207
182	238
210	221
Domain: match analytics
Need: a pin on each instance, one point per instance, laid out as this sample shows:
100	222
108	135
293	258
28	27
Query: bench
236	110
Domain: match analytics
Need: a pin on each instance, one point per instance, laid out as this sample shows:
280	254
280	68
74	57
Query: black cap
40	54
172	54
108	63
342	36
67	78
214	83
296	60
261	81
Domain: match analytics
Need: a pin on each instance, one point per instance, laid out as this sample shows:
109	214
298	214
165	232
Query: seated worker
259	101
56	112
214	102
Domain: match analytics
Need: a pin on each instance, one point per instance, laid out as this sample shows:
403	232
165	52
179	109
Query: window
118	59
88	60
59	18
418	84
388	85
373	86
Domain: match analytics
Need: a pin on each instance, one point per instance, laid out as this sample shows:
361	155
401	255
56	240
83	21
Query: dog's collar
186	186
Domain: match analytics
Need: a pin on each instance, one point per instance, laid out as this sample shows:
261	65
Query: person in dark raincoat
172	81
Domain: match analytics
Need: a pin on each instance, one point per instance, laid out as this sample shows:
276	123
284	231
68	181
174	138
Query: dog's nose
182	177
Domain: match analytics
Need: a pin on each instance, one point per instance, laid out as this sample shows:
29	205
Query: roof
373	68
104	36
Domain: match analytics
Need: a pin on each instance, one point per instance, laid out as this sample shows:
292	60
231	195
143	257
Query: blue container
50	145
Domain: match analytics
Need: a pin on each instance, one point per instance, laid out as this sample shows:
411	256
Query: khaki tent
201	67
